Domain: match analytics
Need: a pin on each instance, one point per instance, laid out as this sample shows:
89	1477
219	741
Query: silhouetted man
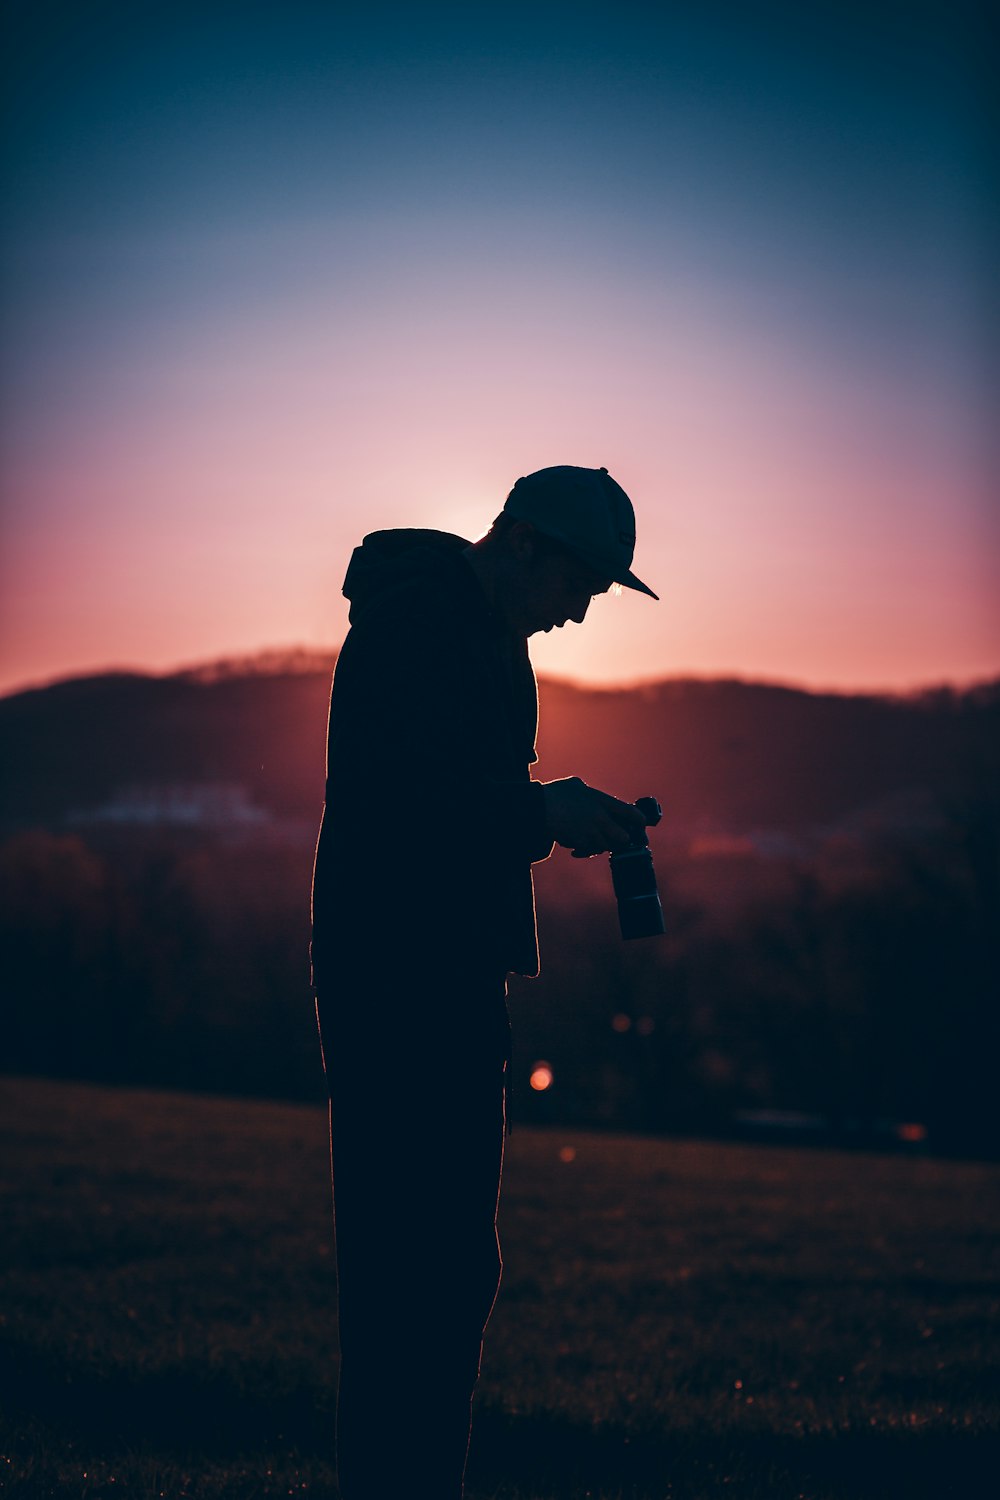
422	904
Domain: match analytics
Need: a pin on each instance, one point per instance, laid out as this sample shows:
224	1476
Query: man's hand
587	821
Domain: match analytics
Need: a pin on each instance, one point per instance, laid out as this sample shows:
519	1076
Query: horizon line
254	662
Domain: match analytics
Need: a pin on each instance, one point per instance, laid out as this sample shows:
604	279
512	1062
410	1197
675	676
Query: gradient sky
277	277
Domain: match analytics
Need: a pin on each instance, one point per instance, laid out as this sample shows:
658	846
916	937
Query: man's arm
581	818
409	738
407	702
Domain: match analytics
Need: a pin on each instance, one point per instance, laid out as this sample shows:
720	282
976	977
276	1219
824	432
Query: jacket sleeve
409	738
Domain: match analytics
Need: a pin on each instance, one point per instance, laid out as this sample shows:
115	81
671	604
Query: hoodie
431	821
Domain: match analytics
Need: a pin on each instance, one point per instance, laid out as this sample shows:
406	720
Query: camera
639	911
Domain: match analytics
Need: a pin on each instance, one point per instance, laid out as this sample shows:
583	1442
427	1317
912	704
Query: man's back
431	822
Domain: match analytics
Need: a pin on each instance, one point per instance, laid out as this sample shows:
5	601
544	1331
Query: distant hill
725	757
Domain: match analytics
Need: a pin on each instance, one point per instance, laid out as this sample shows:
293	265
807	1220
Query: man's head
564	535
587	512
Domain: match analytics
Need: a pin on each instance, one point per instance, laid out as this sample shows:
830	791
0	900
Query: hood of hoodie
386	560
390	560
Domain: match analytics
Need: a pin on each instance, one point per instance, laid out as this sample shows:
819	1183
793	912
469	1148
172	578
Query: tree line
864	991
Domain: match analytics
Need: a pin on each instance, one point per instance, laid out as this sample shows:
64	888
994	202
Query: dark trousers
416	1071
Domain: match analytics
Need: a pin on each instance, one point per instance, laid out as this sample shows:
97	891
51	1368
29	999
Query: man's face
558	587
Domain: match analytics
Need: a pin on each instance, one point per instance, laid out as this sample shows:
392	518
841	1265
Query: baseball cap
585	510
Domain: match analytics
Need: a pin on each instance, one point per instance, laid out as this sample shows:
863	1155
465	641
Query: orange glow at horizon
775	554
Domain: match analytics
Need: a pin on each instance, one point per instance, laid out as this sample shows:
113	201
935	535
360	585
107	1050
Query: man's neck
481	565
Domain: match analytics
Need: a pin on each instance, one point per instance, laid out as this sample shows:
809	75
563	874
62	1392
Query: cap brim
599	564
631	582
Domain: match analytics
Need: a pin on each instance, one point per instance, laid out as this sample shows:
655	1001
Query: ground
677	1319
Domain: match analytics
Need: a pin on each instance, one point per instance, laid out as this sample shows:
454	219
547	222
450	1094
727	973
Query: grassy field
677	1319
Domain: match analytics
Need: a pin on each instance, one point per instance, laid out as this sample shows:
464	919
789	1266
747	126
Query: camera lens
639	911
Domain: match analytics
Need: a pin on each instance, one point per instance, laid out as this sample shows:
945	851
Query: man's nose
580	614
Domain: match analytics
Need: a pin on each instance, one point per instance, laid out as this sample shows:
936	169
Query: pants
416	1084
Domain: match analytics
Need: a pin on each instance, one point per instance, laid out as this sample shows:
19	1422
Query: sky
276	277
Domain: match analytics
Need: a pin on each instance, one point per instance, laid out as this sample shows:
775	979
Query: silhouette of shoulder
416	579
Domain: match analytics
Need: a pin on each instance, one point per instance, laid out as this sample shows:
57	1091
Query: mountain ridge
281	660
725	755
